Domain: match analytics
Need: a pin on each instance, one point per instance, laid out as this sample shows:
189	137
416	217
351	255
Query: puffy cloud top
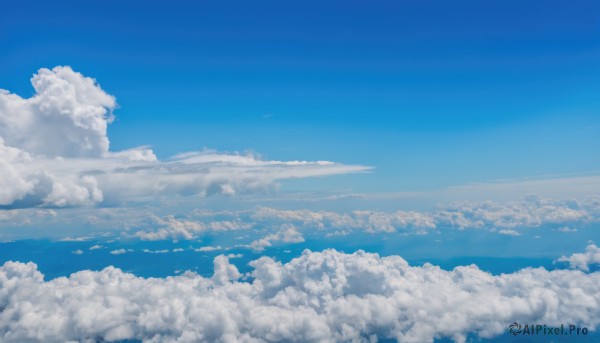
583	261
68	116
318	297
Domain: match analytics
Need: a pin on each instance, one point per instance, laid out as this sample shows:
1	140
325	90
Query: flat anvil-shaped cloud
54	151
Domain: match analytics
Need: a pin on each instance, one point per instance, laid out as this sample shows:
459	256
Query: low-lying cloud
319	297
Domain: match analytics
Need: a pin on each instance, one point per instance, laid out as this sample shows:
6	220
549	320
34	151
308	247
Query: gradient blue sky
430	93
457	133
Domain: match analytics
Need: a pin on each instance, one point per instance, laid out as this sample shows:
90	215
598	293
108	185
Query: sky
313	157
419	90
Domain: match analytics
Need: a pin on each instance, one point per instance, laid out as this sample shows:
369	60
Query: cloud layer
318	297
54	152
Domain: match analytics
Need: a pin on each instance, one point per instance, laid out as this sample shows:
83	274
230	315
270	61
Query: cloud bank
54	152
318	297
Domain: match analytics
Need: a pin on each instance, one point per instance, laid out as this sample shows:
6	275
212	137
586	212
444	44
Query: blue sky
432	95
300	160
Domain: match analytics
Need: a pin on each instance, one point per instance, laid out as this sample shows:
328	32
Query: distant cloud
565	229
120	251
74	239
172	229
208	248
77	252
318	297
583	261
54	152
532	211
96	247
509	232
287	234
266	225
161	251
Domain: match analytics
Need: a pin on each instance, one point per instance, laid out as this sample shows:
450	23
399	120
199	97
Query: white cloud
77	252
120	251
583	261
172	229
161	251
54	151
370	221
565	229
74	239
532	211
287	233
318	297
96	247
509	232
208	248
67	117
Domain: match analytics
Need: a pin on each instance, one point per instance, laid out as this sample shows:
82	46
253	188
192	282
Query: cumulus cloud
265	225
172	229
287	234
532	211
529	212
370	221
67	117
318	297
54	151
583	261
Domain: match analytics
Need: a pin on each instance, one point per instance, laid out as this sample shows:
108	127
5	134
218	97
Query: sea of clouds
324	296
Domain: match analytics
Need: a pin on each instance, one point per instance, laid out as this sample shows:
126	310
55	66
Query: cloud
370	221
531	211
583	261
172	229
208	248
287	234
54	152
77	252
96	247
67	117
565	229
509	232
75	239
162	251
120	251
319	297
